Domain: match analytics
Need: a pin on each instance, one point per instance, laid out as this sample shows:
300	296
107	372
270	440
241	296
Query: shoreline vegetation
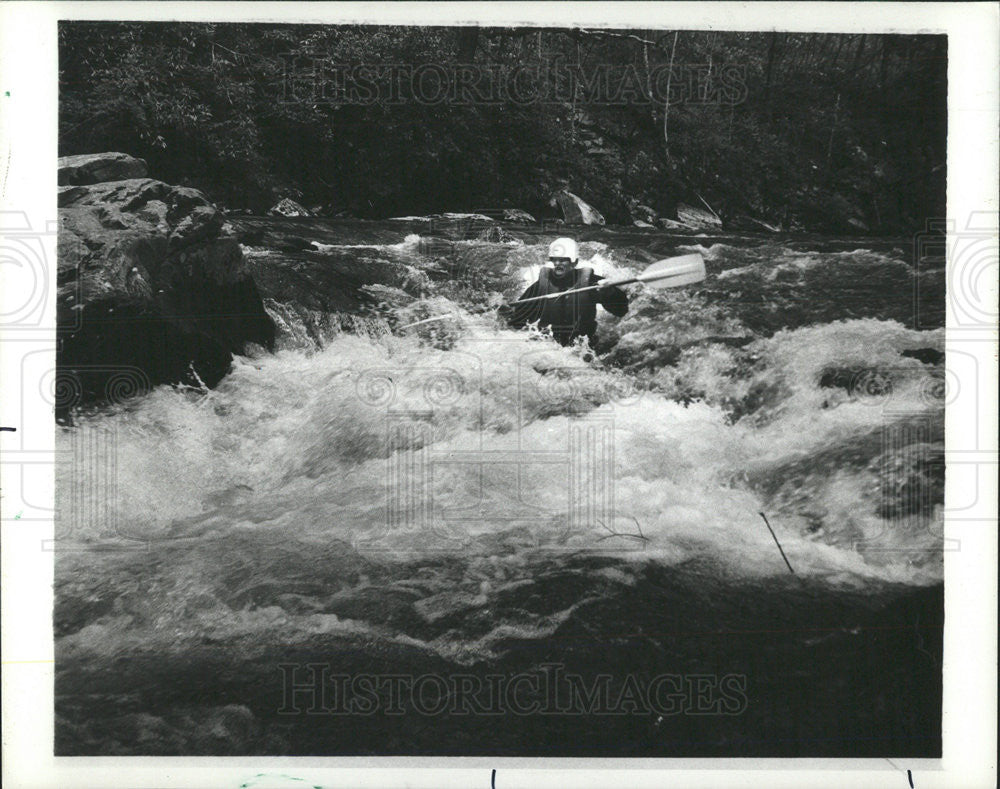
750	132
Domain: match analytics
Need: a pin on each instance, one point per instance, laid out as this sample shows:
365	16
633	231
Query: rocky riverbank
153	286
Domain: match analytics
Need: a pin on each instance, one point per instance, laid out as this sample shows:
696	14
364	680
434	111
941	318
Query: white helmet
563	248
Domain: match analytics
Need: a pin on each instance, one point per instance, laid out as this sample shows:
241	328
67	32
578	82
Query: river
464	500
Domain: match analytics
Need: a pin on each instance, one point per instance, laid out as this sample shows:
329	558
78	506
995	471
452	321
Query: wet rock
697	217
576	211
93	168
670	224
288	207
203	222
152	288
517	215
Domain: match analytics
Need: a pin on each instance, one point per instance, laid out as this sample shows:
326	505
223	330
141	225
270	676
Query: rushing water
461	497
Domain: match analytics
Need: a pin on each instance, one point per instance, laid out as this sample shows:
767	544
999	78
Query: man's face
561	266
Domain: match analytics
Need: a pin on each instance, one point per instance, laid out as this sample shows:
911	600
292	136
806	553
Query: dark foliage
842	133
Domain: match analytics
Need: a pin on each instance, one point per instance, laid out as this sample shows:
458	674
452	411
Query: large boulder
576	211
93	168
152	286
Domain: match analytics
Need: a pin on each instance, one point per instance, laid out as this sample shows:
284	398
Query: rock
203	222
450	217
517	215
670	224
152	286
697	217
576	211
93	168
288	207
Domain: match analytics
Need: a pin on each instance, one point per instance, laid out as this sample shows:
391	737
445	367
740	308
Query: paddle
667	273
428	320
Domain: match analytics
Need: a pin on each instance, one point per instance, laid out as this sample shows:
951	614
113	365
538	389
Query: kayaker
574	315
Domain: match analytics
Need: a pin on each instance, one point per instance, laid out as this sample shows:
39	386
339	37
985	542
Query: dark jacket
569	316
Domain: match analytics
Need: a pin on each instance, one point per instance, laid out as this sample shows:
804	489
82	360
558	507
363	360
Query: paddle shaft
655	272
535	298
579	290
539	298
427	320
671	268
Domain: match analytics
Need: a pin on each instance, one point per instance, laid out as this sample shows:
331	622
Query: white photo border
28	153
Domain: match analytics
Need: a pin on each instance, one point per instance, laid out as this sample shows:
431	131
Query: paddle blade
674	272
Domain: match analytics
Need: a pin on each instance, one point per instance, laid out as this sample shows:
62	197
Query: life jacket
572	315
